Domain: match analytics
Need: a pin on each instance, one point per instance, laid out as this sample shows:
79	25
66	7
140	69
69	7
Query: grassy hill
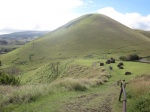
87	36
146	33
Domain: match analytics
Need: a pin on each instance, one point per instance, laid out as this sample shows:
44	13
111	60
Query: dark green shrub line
6	79
131	57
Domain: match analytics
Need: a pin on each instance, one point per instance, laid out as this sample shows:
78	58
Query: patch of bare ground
94	102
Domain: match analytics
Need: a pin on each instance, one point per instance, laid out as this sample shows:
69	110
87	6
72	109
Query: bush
131	57
142	103
8	80
123	58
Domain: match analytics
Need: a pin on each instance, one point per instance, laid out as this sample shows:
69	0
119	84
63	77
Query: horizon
48	15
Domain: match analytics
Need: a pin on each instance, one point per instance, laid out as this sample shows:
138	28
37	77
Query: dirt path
144	61
94	102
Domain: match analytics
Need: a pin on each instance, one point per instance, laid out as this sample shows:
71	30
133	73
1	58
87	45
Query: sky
47	15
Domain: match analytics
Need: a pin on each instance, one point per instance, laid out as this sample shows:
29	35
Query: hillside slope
146	33
86	35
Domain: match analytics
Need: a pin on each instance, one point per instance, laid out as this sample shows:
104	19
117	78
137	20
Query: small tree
123	58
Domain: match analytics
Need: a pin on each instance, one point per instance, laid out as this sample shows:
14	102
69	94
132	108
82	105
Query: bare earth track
94	102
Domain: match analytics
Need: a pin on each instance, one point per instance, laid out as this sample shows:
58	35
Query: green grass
38	81
146	33
66	89
56	101
139	94
48	103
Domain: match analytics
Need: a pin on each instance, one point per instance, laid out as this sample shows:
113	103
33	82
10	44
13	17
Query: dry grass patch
79	84
78	71
140	85
139	94
28	93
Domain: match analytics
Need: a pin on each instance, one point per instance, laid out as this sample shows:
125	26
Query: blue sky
21	15
123	6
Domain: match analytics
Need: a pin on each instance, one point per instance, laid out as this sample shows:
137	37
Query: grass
146	33
135	86
140	85
30	93
139	94
41	103
53	102
45	73
73	82
42	79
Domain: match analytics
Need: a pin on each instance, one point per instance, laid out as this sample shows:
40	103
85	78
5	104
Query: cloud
132	20
36	14
8	30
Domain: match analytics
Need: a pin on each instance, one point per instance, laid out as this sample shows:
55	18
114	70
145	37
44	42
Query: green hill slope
146	33
91	34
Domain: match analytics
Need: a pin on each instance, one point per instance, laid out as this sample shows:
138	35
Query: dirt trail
144	61
94	102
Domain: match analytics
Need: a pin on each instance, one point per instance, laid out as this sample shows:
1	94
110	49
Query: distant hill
25	34
9	42
146	33
87	36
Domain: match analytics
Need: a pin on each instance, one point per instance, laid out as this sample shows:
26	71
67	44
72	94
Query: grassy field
75	89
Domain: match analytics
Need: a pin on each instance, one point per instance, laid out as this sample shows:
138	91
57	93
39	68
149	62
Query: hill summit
91	33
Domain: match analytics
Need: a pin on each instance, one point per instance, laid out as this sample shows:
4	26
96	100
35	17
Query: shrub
131	57
123	58
8	80
142	103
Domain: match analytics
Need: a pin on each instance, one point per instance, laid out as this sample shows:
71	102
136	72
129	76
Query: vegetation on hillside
139	94
146	33
131	57
6	79
82	75
47	80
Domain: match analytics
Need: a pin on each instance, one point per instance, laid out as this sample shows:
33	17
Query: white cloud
132	20
36	14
